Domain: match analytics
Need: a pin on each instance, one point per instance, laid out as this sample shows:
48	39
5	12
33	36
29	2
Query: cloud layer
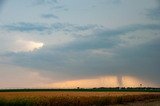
65	46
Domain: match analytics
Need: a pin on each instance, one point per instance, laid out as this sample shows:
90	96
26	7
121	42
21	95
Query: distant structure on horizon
140	85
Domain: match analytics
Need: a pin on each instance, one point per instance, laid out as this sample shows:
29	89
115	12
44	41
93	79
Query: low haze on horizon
79	43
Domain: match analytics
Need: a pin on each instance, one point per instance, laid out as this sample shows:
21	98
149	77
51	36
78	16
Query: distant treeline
101	89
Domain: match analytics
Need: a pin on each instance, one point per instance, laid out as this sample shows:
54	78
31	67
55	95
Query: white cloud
28	42
19	42
27	46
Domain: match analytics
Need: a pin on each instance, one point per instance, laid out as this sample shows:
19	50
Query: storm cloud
83	42
110	52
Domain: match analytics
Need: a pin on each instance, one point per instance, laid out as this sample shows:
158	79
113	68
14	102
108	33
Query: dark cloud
50	16
155	12
74	60
66	27
141	60
25	27
132	50
50	2
115	1
2	3
105	38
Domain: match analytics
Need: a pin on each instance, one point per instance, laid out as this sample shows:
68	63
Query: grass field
63	98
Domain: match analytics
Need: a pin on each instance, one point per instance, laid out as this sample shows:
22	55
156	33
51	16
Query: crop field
64	98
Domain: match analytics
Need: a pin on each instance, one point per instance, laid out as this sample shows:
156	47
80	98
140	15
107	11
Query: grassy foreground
72	98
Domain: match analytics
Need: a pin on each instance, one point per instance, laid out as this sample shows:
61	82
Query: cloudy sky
85	43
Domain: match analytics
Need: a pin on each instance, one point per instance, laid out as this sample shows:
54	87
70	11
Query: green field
117	89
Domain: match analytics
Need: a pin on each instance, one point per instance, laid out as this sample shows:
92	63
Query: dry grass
73	98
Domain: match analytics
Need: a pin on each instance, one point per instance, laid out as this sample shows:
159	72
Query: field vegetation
64	98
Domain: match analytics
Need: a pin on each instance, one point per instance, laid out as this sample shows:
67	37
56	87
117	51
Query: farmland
73	98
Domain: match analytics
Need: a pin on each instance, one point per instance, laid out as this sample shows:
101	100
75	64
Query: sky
79	43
